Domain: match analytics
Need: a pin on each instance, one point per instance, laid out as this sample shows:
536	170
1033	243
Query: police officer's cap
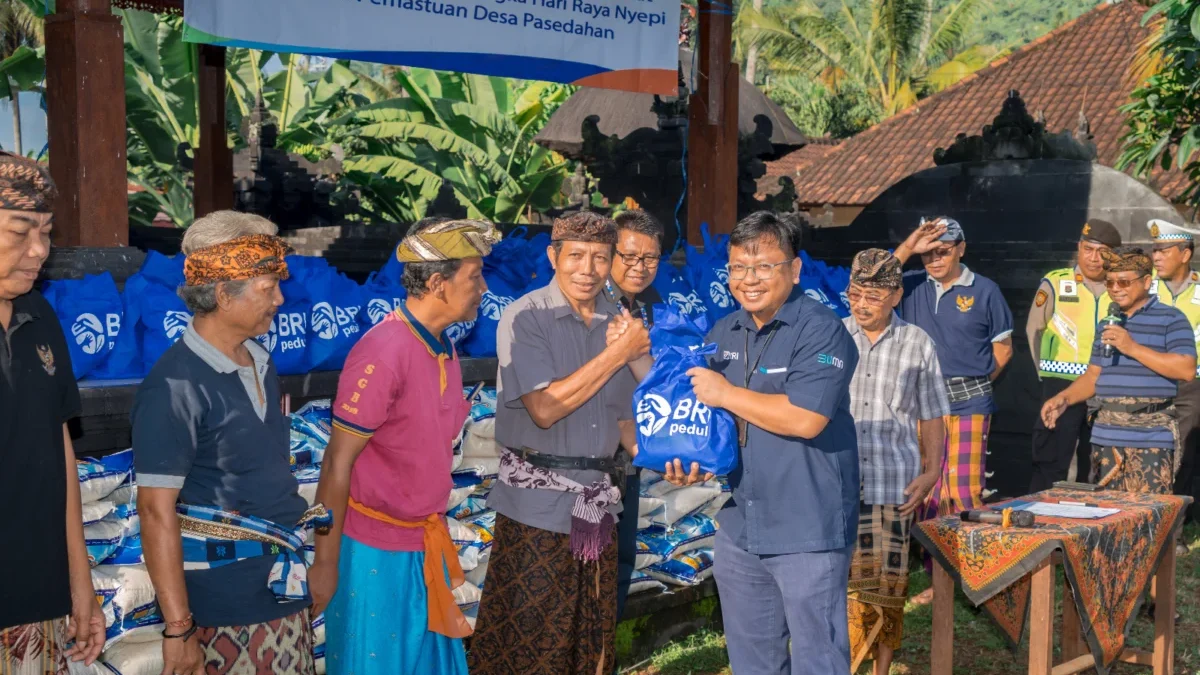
1166	234
1101	232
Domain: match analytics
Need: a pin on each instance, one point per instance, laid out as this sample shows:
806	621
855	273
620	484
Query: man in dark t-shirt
635	264
45	570
208	432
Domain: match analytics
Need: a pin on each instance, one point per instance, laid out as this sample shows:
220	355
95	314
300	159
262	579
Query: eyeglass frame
936	253
1123	283
870	302
651	262
755	267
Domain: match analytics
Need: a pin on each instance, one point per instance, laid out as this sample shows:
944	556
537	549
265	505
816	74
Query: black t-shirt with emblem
37	395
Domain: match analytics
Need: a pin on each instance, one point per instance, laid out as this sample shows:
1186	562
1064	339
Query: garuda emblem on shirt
47	357
964	303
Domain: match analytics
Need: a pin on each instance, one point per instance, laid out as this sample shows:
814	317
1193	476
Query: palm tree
20	27
896	52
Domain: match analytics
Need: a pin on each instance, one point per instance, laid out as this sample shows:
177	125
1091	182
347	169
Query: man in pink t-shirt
386	472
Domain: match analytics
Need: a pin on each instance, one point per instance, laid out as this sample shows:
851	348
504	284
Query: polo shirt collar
215	358
24	310
562	308
967	278
435	346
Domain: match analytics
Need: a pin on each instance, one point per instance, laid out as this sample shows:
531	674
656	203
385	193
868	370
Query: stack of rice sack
676	526
311	428
471	522
111	530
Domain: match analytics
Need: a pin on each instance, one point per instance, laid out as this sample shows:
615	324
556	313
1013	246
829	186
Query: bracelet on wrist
182	623
181	636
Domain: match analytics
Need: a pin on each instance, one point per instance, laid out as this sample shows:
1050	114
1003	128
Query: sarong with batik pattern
878	580
963	478
545	612
280	647
1136	469
34	648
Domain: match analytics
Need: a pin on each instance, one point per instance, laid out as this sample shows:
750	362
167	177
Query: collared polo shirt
897	384
37	395
963	321
390	392
539	340
793	495
643	304
199	427
1162	328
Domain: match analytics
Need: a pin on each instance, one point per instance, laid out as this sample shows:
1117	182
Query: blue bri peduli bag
671	423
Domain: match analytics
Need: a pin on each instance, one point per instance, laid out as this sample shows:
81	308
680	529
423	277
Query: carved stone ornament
1015	134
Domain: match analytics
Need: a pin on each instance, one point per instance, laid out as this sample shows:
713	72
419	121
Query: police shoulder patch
1041	298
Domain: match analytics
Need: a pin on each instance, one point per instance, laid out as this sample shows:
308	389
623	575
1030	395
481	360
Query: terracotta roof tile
1081	65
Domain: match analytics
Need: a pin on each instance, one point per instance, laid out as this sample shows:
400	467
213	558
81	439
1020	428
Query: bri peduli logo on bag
92	334
460	330
492	306
719	290
287	333
328	321
175	323
378	309
689	416
688	304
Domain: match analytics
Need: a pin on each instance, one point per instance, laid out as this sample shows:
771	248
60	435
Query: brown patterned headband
25	185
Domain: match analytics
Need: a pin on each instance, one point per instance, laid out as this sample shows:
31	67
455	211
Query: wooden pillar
713	125
85	110
214	158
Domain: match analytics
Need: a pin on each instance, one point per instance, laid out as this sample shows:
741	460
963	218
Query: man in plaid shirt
897	391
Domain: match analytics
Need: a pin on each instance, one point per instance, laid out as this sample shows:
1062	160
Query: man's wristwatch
181	636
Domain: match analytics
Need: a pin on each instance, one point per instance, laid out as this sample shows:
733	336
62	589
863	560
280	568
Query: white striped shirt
897	382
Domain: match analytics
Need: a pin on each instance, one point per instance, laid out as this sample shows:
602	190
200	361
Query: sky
33	123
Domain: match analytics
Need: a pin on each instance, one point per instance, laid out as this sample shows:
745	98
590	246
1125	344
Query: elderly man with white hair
222	518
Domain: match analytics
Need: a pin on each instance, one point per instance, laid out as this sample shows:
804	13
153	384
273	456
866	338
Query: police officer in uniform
1178	286
1061	329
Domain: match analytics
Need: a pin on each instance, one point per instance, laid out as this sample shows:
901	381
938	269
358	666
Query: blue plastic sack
675	288
543	270
381	296
508	269
287	339
709	275
90	312
333	323
162	315
671	423
812	282
125	359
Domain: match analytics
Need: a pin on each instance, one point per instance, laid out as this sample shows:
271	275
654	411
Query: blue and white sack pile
676	526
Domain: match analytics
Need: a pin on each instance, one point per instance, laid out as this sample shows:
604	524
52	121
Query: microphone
1115	318
1019	518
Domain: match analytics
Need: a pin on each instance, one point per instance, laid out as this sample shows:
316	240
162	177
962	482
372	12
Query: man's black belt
560	463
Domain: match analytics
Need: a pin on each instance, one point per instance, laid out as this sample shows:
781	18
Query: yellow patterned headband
450	240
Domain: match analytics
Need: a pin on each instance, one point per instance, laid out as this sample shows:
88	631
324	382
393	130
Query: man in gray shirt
565	405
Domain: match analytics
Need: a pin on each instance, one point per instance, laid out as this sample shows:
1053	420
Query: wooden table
1075	653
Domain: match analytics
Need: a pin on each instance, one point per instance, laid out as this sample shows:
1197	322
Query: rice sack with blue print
671	422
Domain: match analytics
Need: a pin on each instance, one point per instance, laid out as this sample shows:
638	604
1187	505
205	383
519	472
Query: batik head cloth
585	226
1127	259
448	240
237	259
876	268
25	185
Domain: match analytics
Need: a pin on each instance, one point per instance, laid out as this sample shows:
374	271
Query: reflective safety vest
1188	302
1067	340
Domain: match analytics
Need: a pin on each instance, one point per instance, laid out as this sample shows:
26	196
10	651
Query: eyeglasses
871	299
1122	283
942	252
762	271
631	260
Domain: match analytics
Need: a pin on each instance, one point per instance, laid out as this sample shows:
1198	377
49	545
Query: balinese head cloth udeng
25	185
448	240
1127	259
876	268
242	258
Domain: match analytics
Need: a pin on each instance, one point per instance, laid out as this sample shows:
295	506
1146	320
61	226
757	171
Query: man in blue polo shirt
783	368
1135	373
971	327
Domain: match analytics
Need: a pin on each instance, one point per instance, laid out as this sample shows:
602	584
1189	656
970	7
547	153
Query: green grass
979	647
